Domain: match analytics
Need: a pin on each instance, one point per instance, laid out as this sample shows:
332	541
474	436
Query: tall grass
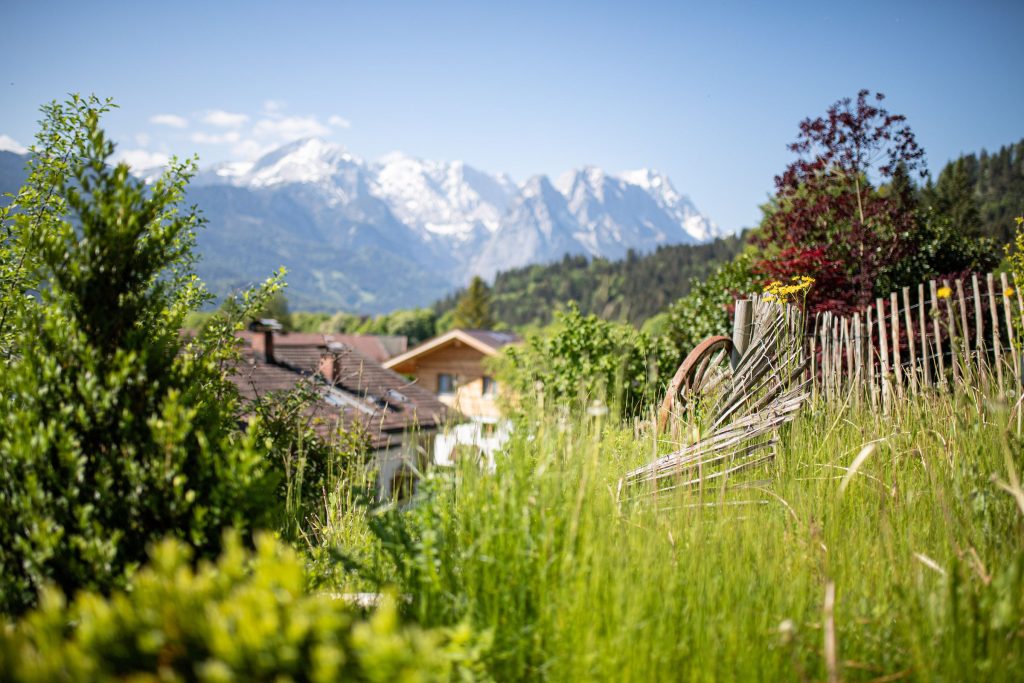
578	577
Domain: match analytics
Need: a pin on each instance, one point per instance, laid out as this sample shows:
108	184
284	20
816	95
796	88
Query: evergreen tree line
631	289
981	193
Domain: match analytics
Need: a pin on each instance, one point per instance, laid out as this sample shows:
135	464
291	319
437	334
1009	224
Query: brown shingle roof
363	392
375	347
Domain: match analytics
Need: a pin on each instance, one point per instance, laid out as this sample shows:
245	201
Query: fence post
997	347
741	330
912	372
923	328
897	358
1008	314
954	347
858	354
848	345
826	356
884	346
814	360
979	333
871	357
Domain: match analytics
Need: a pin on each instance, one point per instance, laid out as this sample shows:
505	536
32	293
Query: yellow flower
1019	219
945	292
1008	292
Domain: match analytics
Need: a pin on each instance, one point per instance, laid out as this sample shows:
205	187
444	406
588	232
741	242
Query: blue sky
709	93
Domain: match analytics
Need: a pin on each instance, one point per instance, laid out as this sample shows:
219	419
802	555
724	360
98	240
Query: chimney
329	367
263	343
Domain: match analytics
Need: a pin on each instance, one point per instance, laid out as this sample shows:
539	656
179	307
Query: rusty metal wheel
705	368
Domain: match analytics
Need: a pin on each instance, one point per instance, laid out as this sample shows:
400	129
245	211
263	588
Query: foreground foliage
112	433
582	578
247	618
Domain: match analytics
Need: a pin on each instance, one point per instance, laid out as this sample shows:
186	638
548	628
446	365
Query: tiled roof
375	347
363	392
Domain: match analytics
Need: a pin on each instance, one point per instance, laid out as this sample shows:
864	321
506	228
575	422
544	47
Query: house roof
487	342
362	392
378	348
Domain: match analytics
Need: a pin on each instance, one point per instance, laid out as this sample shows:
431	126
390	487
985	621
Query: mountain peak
647	178
307	160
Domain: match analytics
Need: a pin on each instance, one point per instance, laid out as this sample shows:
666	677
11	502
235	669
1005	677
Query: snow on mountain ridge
309	160
478	221
442	198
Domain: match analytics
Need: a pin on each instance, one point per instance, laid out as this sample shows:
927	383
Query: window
445	384
490	386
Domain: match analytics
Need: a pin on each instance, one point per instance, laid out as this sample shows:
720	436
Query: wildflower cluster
944	292
778	292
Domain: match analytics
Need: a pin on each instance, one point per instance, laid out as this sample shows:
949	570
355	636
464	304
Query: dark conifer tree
474	308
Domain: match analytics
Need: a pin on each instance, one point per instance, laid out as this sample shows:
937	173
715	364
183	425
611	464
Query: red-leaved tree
827	218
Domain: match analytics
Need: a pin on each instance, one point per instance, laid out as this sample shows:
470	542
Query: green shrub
586	358
112	433
246	618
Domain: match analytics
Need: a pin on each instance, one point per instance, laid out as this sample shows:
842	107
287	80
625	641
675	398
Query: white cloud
230	137
9	144
172	120
142	139
339	122
273	107
290	128
140	159
224	119
249	149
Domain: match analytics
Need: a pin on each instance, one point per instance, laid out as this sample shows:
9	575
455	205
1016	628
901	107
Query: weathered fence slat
1008	315
858	354
979	334
937	329
897	359
954	356
814	359
871	358
883	345
923	328
847	344
997	347
837	356
912	368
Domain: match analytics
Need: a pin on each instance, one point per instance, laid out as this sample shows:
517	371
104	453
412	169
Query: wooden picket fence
950	335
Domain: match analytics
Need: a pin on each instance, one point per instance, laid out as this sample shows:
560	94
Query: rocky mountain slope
371	236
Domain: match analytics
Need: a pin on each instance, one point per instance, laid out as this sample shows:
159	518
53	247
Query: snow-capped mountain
451	200
371	236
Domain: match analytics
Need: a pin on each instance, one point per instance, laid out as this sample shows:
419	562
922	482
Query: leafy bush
587	358
248	617
112	433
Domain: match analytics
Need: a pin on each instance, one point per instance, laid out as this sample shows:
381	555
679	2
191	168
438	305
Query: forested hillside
634	288
997	183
